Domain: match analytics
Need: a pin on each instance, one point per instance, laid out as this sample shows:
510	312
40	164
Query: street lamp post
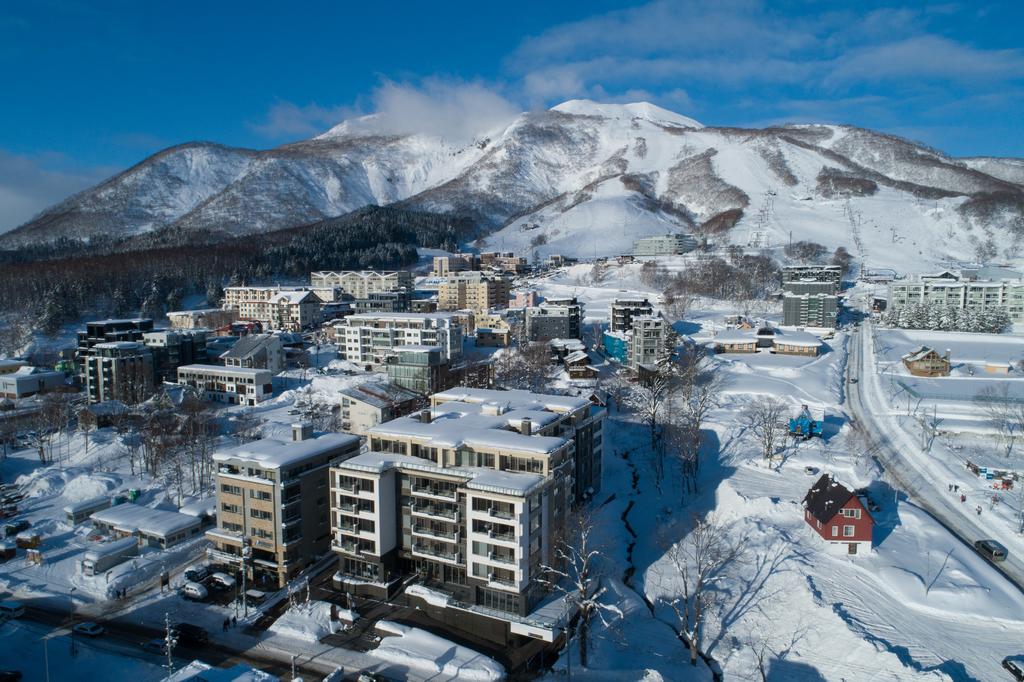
246	553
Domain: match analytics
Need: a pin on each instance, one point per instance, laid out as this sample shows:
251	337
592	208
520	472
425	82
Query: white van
11	609
194	591
223	581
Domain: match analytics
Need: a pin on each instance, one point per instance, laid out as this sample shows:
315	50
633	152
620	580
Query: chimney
526	426
425	416
302	431
947	354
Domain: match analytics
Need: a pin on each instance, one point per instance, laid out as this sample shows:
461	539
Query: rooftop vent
302	431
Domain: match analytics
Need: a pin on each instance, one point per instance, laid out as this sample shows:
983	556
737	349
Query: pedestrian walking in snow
978	509
225	625
956	487
963	498
234	621
950	487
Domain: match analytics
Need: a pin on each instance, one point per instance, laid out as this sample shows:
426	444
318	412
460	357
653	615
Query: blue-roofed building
616	346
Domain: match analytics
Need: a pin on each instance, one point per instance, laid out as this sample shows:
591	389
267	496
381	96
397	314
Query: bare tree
86	423
649	399
527	367
575	575
700	561
1005	415
698	393
769	643
764	417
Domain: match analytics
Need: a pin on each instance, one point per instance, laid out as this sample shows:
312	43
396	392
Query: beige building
273	503
476	294
362	283
210	318
372	403
286	309
982	289
471	494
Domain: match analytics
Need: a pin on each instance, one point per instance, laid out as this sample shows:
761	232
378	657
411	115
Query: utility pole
169	642
71	620
294	676
246	551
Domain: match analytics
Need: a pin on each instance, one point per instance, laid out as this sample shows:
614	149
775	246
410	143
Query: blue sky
91	88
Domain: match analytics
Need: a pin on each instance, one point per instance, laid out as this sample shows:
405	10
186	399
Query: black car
991	550
191	635
1015	668
10	675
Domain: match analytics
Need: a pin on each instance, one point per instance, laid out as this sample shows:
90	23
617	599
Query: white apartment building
232	385
290	309
472	494
367	339
362	283
963	291
647	341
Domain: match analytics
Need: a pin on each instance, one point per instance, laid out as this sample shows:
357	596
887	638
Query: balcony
433	511
218	556
347	546
501	537
499	513
501	582
437	553
427	531
434	491
502	558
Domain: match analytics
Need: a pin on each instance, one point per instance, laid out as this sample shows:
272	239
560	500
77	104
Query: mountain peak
644	110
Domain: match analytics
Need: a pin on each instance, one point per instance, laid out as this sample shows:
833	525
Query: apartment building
119	370
478	294
231	385
813	273
256	351
809	286
107	331
383	302
459	262
664	245
647	341
285	309
809	310
362	283
273	507
370	338
209	318
622	311
372	403
172	349
554	319
472	494
963	290
503	261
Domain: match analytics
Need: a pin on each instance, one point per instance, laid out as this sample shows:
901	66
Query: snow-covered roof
379	394
87	504
198	671
249	345
399	316
221	369
133	518
736	336
270	453
102	549
416	347
515	399
919	353
576	356
453	430
120	345
475	478
795	337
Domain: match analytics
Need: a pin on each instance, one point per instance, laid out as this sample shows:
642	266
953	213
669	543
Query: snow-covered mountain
582	178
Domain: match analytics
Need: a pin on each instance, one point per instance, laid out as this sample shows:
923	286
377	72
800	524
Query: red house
838	515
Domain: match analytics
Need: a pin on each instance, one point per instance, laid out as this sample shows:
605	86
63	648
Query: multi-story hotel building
964	290
368	339
478	294
119	370
647	341
622	311
273	500
362	283
286	309
472	494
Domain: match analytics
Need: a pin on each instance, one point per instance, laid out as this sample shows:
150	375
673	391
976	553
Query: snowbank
309	622
422	651
432	597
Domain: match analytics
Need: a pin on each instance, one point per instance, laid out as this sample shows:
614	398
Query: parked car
89	629
197	574
155	646
222	581
190	635
11	609
1015	668
10	675
991	550
194	591
12	529
255	596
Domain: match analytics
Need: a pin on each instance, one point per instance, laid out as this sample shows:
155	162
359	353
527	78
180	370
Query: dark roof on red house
826	498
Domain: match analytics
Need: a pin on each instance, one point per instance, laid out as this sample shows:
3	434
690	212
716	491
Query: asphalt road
924	492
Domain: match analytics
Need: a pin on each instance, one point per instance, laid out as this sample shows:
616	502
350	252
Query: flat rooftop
270	453
133	518
514	483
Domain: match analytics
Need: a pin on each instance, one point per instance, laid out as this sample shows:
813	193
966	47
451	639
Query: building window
847	531
835	531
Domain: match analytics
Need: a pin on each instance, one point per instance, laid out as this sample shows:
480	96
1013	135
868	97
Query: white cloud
29	185
286	120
